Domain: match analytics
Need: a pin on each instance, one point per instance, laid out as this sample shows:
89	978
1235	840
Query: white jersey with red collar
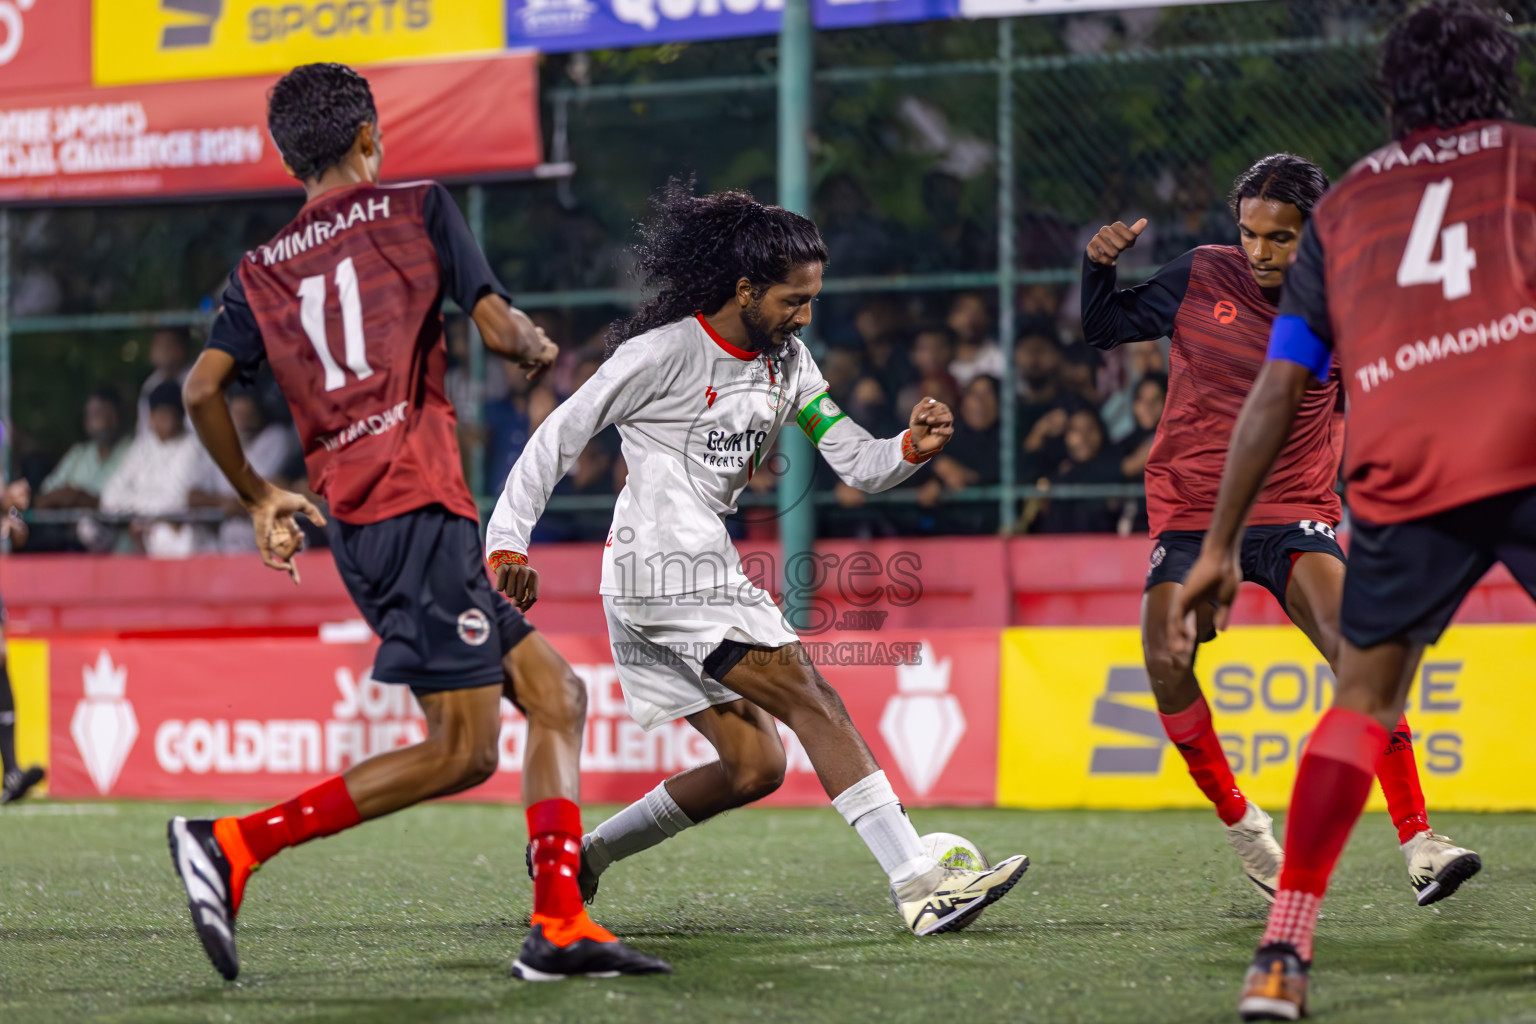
698	418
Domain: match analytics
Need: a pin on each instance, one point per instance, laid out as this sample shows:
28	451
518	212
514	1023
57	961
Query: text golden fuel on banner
1079	727
152	41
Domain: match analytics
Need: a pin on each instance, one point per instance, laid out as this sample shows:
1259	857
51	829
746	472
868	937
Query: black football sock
7	722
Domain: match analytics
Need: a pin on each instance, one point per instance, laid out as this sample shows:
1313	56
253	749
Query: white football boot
1437	866
1253	837
947	899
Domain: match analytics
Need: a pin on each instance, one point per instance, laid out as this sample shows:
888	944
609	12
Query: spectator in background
268	446
1136	360
155	478
1080	367
1134	448
971	459
77	481
1088	461
1146	410
951	240
508	426
1043	406
170	352
976	351
932	351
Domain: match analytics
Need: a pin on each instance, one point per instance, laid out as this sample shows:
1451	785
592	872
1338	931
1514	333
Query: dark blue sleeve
1113	316
235	330
1306	288
467	277
1303	332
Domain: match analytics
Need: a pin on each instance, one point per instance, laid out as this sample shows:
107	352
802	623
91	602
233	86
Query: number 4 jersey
1417	273
345	303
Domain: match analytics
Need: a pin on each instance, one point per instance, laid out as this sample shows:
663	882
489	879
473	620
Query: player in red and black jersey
345	304
1217	303
1418	277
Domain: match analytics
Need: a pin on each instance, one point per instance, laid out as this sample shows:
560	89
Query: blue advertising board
560	26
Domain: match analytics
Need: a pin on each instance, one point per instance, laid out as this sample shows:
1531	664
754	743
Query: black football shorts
1406	580
420	581
1266	554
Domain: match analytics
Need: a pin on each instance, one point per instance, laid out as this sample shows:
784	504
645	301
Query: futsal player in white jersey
699	383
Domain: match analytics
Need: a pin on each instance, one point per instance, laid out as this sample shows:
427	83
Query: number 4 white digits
312	317
1453	271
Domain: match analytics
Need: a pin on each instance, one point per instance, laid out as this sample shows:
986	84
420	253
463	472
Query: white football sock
871	807
650	820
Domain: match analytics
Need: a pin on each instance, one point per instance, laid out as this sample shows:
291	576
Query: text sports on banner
210	137
1078	727
153	41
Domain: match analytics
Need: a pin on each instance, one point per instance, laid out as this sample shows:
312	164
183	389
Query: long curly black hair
1281	178
695	249
1448	62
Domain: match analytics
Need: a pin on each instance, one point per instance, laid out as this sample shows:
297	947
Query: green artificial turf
766	915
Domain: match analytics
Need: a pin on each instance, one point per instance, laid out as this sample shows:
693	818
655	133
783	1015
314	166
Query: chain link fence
958	170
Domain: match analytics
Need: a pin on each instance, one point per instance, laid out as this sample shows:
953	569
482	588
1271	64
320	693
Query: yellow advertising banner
1079	728
27	661
171	40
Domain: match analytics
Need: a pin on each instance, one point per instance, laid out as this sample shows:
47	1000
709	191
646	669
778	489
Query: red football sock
322	811
1399	777
554	826
1192	733
1331	788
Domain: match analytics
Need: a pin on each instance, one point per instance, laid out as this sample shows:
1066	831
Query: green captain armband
818	416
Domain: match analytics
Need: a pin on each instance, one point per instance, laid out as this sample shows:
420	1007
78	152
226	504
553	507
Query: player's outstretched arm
509	333
1261	431
272	509
1113	316
624	384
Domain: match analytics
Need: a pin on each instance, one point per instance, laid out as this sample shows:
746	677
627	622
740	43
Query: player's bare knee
754	778
558	702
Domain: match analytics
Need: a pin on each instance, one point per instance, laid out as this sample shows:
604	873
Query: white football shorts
660	644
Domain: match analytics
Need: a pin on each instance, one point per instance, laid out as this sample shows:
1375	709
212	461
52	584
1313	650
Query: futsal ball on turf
952	851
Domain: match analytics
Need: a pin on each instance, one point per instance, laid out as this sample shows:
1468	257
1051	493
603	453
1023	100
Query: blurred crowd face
246	412
166	421
1146	357
101	421
1038	360
841	369
968	319
931	352
978	406
584	371
167	351
1084	438
1147	406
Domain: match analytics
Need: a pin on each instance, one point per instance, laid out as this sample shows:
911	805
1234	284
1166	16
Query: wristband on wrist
910	452
501	558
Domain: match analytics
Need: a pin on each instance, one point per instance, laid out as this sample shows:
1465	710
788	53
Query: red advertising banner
440	120
260	719
44	44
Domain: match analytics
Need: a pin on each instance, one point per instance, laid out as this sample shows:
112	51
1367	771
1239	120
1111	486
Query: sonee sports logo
1224	312
474	627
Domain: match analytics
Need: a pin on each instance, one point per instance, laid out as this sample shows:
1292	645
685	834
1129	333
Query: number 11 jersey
1417	271
345	303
